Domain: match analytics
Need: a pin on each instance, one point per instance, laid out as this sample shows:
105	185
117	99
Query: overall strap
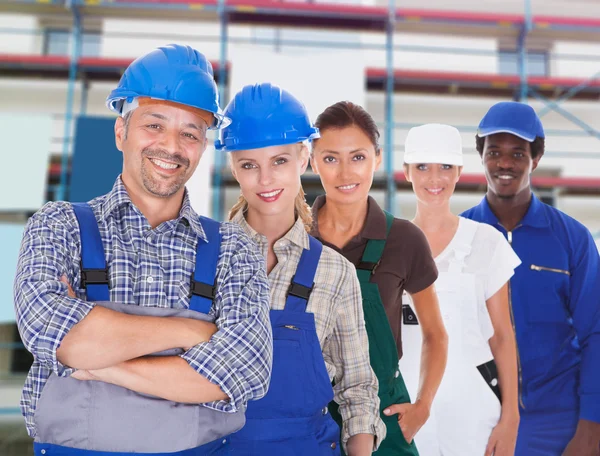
94	272
203	285
303	281
373	252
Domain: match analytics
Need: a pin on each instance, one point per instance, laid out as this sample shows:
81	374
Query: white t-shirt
492	260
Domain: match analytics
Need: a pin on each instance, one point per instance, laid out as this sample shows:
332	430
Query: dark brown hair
537	146
345	114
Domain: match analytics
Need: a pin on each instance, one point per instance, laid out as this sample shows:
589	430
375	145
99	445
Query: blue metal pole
218	194
390	195
567	115
85	88
68	127
570	93
523	52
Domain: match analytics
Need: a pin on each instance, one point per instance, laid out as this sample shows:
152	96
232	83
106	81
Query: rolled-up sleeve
356	385
238	357
44	312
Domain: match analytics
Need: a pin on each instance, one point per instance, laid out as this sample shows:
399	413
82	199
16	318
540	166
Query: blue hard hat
511	117
264	115
174	73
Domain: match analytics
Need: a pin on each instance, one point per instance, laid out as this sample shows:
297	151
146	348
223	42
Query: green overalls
382	350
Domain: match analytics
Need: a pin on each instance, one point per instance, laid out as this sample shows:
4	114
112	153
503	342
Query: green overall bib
383	352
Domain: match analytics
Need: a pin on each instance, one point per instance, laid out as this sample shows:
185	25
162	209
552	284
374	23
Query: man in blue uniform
555	292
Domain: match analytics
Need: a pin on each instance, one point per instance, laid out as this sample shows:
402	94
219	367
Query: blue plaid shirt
147	267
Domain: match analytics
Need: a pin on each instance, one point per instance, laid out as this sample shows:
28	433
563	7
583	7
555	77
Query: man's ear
120	133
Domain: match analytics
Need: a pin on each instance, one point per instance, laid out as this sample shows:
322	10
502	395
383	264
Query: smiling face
162	144
508	164
270	177
433	183
346	161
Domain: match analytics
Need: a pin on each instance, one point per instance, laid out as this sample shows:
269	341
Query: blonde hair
301	209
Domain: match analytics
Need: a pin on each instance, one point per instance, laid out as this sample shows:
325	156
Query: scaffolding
551	91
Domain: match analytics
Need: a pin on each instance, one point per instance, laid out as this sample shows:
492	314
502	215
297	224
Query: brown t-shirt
406	264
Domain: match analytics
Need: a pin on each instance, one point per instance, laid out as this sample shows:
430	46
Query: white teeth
270	194
505	177
347	187
163	165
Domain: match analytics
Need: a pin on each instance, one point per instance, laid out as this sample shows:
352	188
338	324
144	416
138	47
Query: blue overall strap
303	281
94	273
203	278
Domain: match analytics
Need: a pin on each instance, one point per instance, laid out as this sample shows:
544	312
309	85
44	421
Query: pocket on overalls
288	374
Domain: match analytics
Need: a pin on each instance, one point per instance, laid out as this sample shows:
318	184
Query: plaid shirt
336	303
147	267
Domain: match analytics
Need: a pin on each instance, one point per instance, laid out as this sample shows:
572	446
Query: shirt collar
535	215
375	226
119	197
297	235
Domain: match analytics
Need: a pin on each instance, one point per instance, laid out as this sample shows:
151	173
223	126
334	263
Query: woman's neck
338	223
432	219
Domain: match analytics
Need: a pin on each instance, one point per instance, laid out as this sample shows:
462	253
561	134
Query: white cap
433	143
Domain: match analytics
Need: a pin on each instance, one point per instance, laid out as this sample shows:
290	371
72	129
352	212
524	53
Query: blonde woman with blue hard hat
148	323
475	412
316	315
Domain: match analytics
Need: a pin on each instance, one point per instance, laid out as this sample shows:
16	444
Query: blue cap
511	117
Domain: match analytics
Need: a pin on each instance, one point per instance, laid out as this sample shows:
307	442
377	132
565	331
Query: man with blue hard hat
148	323
555	292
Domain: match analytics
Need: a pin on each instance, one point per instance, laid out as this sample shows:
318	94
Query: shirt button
43	451
224	441
150	279
324	411
397	374
333	446
494	382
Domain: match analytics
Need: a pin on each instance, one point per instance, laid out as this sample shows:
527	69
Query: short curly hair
538	145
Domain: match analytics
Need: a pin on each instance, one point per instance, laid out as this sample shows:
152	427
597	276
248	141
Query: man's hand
84	375
503	439
586	441
411	417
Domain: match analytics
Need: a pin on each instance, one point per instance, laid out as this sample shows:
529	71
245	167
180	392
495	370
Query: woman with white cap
390	255
476	409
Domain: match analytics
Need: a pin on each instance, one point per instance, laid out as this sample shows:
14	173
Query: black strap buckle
300	291
203	289
94	277
368	266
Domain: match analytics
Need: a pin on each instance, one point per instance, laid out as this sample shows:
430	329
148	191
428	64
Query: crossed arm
112	347
226	367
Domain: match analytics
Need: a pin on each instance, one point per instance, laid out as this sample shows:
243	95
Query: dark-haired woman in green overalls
391	256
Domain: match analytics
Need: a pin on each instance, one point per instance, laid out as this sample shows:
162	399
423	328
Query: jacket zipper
535	267
509	235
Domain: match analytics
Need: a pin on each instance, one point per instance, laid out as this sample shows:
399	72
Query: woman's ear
406	170
304	157
378	157
232	167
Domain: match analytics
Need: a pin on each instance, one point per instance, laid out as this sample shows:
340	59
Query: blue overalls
88	418
292	419
555	301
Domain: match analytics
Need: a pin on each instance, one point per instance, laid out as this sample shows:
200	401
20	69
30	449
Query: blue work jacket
555	301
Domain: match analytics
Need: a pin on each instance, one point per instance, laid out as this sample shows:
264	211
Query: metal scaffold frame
386	20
